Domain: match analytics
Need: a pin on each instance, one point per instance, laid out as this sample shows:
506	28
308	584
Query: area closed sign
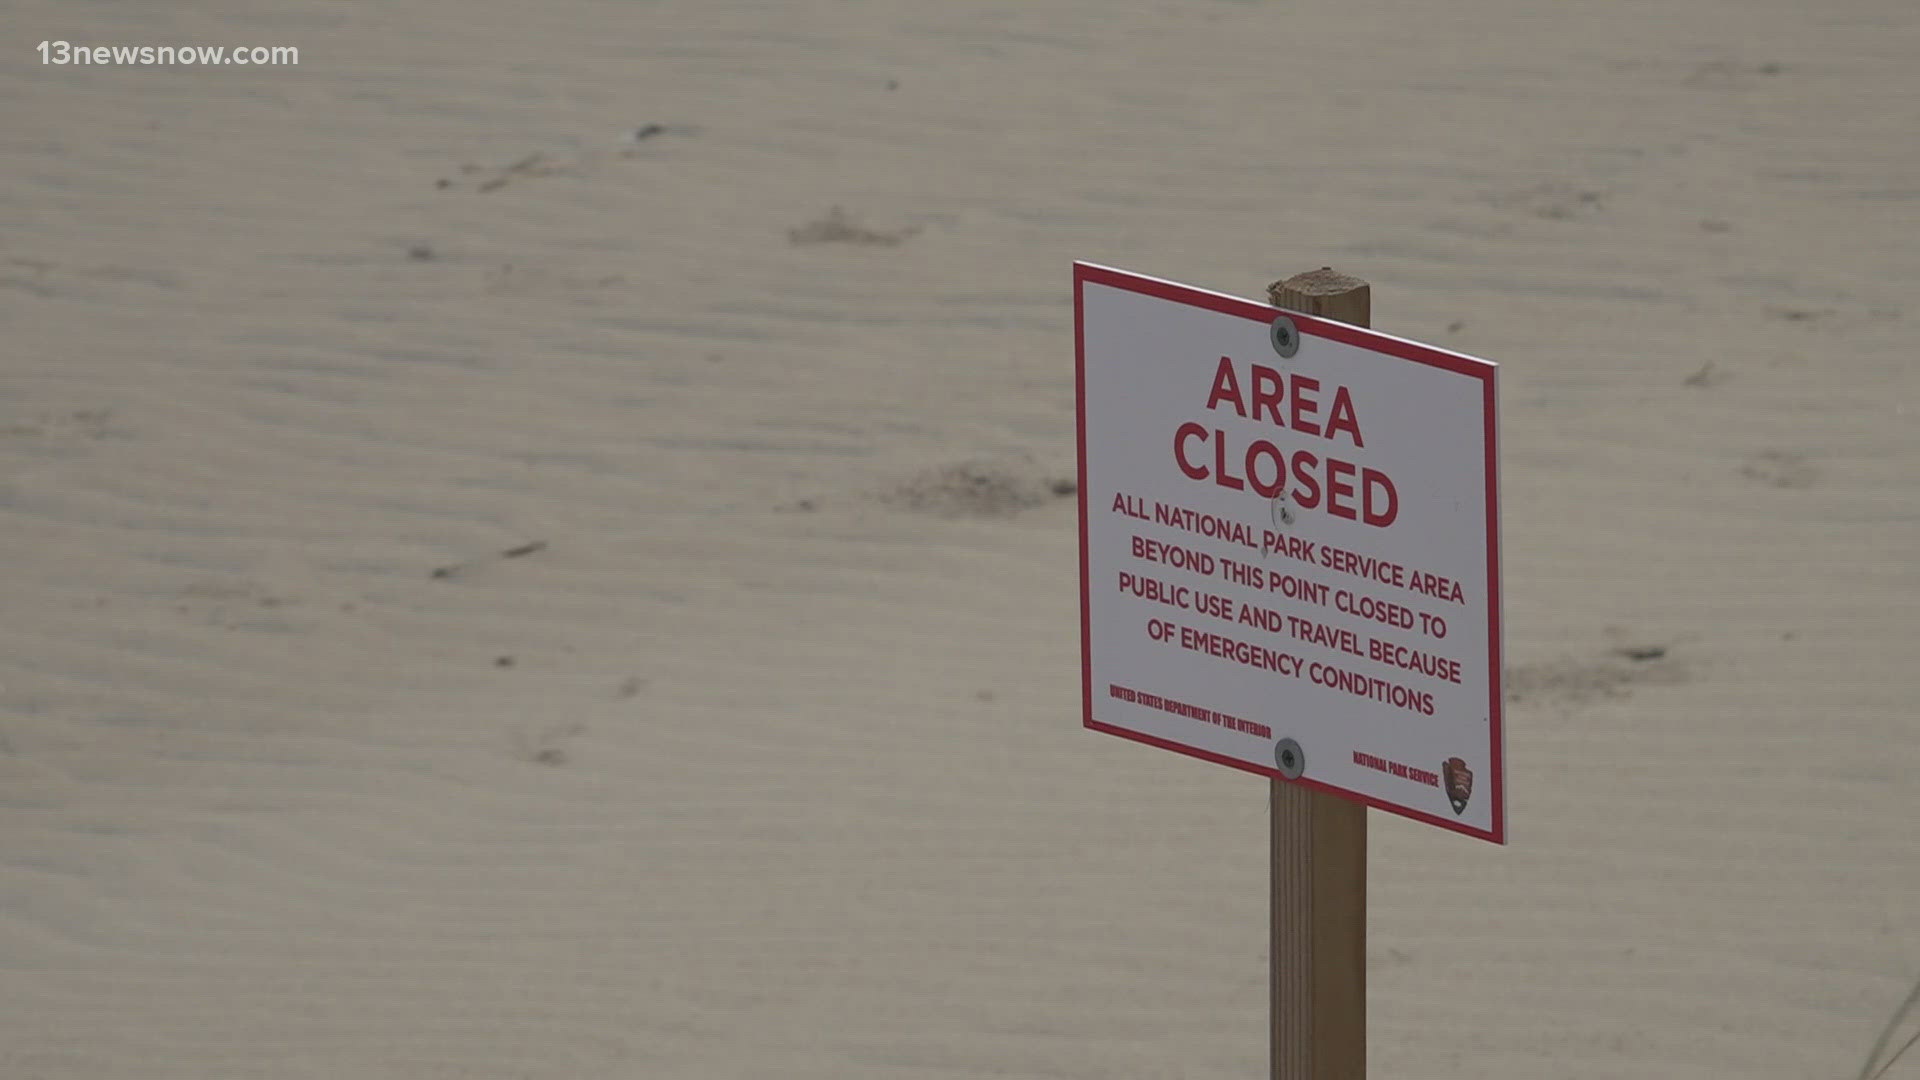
1289	547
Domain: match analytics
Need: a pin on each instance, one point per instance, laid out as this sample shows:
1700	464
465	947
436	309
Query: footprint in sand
1553	201
973	489
1573	682
1781	469
537	165
837	228
1729	75
547	745
76	424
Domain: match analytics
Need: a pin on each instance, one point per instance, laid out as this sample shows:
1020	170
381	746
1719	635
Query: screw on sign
1285	337
1291	759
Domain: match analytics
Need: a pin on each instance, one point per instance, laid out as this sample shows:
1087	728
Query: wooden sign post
1319	894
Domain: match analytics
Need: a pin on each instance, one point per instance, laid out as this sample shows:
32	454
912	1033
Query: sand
769	762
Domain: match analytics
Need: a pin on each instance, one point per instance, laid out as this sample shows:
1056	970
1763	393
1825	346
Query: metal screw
1291	759
1286	336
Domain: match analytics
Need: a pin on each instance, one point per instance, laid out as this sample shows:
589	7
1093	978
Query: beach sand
758	317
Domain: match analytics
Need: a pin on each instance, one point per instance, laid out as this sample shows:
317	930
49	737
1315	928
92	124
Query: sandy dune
769	762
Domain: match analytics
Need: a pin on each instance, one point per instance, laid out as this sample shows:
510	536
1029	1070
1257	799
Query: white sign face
1290	565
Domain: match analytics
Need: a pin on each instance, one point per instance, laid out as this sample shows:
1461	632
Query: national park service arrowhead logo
1458	780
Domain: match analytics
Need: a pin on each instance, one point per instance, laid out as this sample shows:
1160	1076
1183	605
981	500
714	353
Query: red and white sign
1290	564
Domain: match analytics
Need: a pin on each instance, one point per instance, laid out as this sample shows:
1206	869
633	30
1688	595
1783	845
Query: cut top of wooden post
1325	292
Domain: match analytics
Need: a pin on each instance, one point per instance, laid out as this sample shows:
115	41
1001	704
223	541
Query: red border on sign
1359	337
